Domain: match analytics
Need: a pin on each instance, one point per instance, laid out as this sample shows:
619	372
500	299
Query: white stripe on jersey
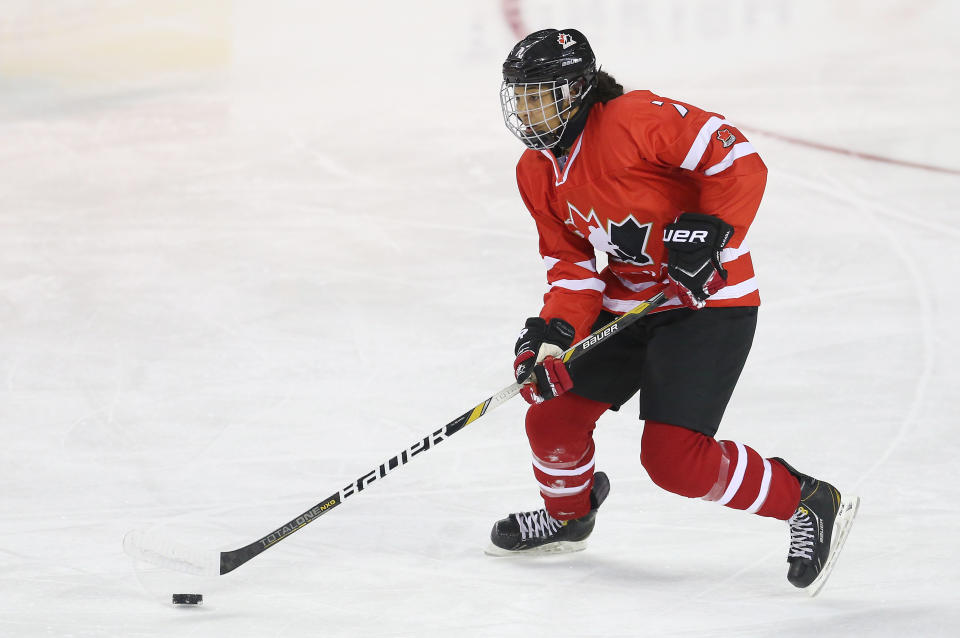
739	150
699	147
580	284
629	285
623	305
729	254
729	292
590	264
745	287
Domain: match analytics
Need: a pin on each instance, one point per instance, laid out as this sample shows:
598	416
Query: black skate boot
539	533
818	530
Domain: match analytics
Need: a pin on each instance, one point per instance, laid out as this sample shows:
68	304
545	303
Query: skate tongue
600	490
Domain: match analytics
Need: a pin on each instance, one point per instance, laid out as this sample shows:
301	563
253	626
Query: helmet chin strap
575	126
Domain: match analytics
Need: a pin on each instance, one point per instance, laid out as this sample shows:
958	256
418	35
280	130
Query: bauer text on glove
693	244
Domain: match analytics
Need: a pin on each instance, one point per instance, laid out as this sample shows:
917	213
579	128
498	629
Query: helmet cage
553	114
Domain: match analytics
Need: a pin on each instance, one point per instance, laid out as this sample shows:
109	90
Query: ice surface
226	292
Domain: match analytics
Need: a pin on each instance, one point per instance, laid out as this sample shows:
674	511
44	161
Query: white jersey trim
561	177
629	285
622	305
739	150
699	147
581	284
590	264
729	254
730	292
745	287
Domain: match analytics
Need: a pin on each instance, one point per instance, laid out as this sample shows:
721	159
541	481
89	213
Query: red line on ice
846	151
514	17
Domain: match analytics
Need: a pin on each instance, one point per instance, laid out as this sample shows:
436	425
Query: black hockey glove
544	375
693	245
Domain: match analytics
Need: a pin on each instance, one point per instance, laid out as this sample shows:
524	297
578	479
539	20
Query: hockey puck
188	599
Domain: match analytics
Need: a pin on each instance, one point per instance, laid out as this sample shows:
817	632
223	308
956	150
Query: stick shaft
232	559
165	552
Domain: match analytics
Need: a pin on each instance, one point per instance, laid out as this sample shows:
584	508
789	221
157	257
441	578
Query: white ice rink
228	287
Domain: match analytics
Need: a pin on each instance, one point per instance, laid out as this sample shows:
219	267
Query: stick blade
157	549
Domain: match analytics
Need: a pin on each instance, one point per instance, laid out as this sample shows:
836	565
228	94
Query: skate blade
841	528
560	547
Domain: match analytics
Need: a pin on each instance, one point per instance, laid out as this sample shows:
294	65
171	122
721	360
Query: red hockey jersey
640	161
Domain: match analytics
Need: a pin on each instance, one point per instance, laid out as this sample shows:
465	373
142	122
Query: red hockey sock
698	466
560	432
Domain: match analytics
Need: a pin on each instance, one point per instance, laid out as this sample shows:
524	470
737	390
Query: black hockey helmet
551	62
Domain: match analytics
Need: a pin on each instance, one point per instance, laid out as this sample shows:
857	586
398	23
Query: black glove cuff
559	333
536	331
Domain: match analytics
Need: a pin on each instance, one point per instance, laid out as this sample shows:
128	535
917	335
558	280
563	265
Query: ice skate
818	530
537	532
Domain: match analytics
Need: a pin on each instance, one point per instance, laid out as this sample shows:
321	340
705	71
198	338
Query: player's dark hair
607	87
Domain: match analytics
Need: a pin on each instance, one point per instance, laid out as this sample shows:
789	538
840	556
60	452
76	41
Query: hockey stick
154	549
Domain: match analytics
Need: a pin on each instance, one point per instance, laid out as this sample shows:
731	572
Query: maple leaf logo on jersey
626	240
565	40
726	137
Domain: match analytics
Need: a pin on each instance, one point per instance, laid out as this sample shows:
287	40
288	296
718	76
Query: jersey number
681	109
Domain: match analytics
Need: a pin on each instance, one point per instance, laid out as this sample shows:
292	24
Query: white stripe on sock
738	473
563	491
764	489
577	471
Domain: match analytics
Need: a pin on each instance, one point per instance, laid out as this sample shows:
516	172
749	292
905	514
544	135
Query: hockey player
668	191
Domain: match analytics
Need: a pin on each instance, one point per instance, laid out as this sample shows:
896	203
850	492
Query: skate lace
801	536
537	524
